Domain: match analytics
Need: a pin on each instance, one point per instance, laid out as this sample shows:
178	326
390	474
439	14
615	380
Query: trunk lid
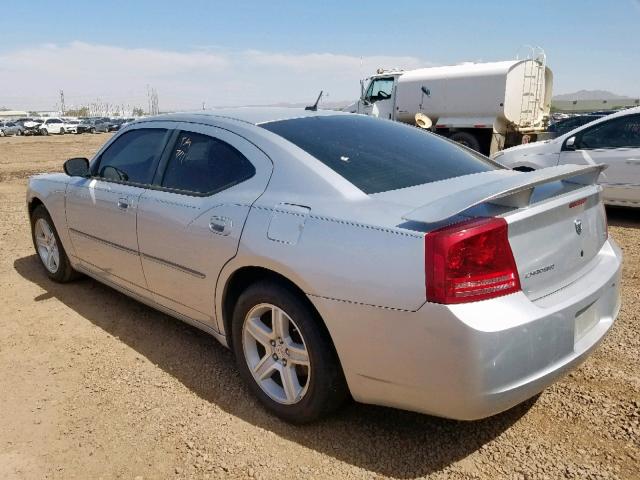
555	241
556	220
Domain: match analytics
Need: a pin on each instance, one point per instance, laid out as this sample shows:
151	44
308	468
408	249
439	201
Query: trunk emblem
578	225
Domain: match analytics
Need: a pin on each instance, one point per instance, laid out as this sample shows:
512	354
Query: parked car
10	128
563	126
613	140
52	125
339	253
71	126
92	125
30	126
115	124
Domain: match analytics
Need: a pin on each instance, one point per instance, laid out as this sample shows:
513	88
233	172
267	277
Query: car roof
253	115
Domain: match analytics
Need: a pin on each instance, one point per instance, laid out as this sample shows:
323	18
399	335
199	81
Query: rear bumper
475	360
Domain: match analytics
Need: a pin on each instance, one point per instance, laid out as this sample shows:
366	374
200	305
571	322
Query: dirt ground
95	385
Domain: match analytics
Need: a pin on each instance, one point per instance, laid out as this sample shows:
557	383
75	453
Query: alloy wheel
47	245
276	353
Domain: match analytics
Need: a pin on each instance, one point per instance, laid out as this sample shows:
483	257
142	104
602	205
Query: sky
255	52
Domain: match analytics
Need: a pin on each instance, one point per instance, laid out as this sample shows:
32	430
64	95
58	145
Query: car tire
92	130
467	139
49	248
62	131
280	358
1	133
44	132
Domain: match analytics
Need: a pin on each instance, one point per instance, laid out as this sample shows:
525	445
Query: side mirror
77	167
570	143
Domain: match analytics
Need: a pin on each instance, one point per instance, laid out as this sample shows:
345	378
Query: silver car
10	128
338	254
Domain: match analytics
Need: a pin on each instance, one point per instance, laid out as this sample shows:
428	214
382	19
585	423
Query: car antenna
314	107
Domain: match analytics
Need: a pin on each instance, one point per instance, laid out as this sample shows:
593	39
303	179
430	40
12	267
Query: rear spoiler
511	191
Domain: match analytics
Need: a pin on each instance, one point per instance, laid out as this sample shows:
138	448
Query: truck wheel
467	139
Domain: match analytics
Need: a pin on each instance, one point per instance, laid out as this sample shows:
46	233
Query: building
583	106
12	114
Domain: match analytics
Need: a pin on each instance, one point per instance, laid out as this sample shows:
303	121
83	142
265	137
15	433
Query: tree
138	112
78	112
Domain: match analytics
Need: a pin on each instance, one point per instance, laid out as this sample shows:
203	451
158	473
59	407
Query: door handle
123	203
220	225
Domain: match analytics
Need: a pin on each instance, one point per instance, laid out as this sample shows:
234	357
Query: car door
102	210
615	142
189	224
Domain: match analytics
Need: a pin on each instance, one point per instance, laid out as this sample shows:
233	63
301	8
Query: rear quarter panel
338	259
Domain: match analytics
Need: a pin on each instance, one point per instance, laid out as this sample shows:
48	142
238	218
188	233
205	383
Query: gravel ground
95	385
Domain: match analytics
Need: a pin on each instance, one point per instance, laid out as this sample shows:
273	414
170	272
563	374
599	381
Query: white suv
52	125
613	140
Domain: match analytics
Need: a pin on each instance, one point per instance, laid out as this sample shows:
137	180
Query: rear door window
204	165
380	155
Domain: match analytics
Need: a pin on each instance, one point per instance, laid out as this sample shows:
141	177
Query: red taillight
470	261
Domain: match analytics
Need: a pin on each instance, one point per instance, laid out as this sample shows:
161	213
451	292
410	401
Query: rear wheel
49	248
92	130
467	139
284	355
62	131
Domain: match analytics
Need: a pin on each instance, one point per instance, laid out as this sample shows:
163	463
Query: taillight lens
470	261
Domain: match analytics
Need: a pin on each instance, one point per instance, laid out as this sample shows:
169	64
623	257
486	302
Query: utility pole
62	108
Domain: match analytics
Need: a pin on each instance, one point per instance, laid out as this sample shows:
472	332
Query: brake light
470	261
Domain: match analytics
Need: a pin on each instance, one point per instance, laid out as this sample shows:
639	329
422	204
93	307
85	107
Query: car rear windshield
379	155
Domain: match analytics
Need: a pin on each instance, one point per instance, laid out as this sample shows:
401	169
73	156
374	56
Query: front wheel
284	355
49	248
92	130
44	132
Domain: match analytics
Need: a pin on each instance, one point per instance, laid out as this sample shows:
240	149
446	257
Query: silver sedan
340	255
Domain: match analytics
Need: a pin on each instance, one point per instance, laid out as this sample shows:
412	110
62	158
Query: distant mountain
590	95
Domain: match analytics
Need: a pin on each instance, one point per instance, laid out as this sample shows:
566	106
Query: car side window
133	156
616	133
204	165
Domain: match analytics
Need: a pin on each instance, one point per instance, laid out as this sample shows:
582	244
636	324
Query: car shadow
382	440
623	216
